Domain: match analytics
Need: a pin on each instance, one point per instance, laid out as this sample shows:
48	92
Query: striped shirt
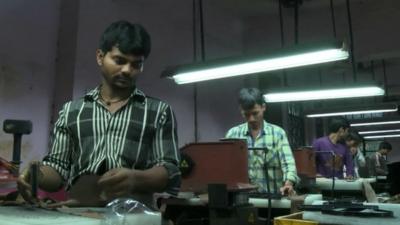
88	139
278	159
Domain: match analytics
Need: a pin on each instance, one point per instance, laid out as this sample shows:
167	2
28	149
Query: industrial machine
213	162
17	128
306	168
218	170
9	170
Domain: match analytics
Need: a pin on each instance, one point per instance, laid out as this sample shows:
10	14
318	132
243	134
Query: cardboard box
293	219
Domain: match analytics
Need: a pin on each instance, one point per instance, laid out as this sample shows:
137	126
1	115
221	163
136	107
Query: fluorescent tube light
382	136
353	110
379	131
324	94
236	66
375	123
351	113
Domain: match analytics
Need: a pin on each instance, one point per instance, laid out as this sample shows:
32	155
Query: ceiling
373	28
246	8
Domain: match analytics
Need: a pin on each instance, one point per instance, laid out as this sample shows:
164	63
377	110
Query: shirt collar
94	94
263	131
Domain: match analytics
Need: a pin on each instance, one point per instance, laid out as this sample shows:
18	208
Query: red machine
214	162
305	165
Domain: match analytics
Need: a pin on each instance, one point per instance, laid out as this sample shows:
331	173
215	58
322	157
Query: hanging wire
203	56
385	83
281	24
320	76
296	21
285	80
353	63
194	30
332	10
202	45
373	70
195	116
373	75
333	18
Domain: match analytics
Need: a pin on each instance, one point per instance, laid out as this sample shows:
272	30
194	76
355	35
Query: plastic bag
127	211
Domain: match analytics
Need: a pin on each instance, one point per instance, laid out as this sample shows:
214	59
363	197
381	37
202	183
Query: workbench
352	220
344	188
323	183
28	215
196	208
283	203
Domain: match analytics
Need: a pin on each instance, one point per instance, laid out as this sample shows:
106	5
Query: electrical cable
333	18
385	82
353	63
285	80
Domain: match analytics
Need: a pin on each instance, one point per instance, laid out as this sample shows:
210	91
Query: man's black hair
336	123
385	145
249	97
354	136
129	38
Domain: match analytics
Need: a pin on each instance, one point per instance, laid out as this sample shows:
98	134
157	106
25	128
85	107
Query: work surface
283	203
18	215
344	185
352	220
25	215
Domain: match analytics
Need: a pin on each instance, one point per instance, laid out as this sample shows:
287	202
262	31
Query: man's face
119	70
353	150
343	133
385	151
254	116
352	145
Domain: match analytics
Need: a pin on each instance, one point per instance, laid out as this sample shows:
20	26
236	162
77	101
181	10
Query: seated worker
258	133
115	131
331	154
353	140
378	162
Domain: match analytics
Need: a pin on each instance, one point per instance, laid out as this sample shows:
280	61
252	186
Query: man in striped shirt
272	166
115	131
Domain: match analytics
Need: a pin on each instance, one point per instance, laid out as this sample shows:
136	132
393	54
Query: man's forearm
380	171
49	179
152	180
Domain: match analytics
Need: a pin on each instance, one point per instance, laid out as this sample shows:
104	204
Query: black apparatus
348	208
345	207
333	169
223	202
17	128
268	195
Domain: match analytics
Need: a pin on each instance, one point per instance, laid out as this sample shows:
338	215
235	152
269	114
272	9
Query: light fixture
382	136
378	131
299	55
375	123
353	110
324	94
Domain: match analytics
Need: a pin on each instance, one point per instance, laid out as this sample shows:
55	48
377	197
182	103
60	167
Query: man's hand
287	188
118	182
24	185
349	177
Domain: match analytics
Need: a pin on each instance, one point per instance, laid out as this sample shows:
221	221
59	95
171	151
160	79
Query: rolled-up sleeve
59	156
166	151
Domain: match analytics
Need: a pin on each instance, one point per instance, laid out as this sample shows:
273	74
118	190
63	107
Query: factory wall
47	56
